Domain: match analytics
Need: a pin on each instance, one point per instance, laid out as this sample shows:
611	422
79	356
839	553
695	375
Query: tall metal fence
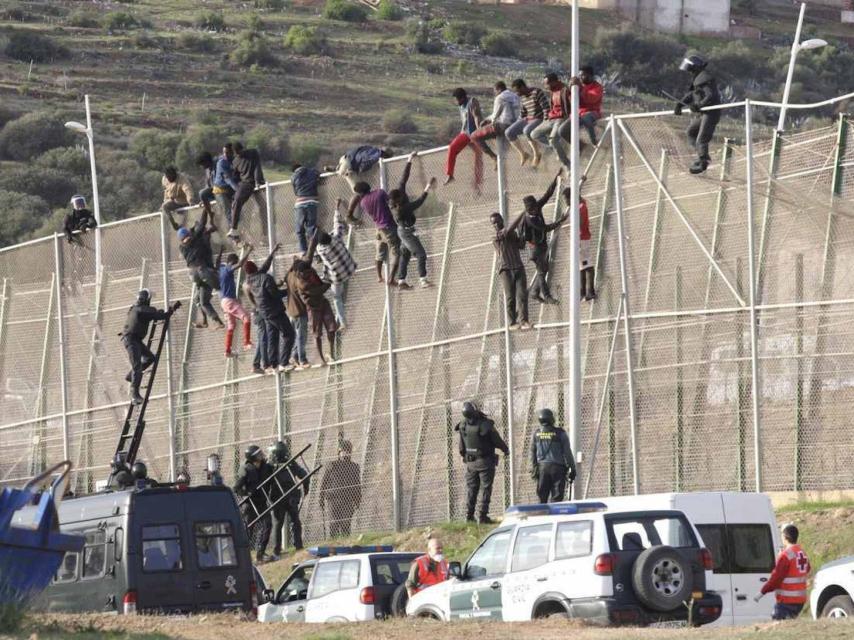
717	354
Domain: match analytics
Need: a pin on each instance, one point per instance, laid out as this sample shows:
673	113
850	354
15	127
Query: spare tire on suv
662	578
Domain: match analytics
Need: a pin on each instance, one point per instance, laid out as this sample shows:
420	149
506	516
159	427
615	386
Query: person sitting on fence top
505	111
589	100
470	119
508	245
248	171
229	300
358	161
536	231
556	128
79	219
404	210
338	263
375	205
305	181
206	195
586	263
535	104
177	191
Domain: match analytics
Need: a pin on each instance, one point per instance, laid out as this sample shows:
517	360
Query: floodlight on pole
96	206
797	47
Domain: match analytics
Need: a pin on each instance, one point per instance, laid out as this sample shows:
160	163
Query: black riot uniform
289	507
133	335
478	442
703	93
552	462
254	471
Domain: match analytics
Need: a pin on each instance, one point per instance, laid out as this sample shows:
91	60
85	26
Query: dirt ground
220	627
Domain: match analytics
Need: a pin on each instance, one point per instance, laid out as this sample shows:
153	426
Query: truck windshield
637	532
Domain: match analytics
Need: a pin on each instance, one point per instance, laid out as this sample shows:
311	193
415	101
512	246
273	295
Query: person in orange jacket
789	578
429	569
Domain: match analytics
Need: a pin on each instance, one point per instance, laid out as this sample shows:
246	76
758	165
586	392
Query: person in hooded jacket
703	93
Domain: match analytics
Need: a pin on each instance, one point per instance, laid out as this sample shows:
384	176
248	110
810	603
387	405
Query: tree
22	214
27	46
33	134
344	10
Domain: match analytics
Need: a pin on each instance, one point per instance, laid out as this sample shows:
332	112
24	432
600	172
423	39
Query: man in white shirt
506	109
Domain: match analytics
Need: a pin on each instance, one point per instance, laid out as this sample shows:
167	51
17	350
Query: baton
672	97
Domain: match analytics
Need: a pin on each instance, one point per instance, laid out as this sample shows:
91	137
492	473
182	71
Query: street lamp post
797	47
87	130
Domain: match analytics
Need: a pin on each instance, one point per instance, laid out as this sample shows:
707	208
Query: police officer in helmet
133	336
552	462
478	441
254	471
279	455
703	93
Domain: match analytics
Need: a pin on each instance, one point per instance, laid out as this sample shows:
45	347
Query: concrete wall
678	16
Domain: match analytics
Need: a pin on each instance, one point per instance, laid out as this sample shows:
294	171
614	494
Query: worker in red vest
429	569
789	578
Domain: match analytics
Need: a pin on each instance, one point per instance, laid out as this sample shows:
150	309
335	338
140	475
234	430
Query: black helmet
253	452
693	64
139	471
143	297
279	452
470	410
546	417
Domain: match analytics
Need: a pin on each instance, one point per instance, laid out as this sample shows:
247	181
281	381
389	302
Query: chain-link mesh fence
381	420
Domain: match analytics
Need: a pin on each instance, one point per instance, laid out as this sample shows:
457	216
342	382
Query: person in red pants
470	118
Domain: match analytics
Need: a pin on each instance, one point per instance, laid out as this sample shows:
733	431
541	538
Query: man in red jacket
429	569
589	100
789	578
585	261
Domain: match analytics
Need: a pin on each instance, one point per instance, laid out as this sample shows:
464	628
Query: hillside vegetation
305	79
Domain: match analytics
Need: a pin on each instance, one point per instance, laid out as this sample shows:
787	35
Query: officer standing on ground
789	578
254	471
552	462
703	93
478	442
284	482
133	335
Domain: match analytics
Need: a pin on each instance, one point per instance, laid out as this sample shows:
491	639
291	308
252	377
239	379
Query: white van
740	530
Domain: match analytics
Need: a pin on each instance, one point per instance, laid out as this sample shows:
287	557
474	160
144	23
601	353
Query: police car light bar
325	552
554	509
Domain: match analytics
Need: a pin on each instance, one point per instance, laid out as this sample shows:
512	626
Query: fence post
751	271
170	400
627	326
799	367
680	405
60	328
4	313
38	441
392	383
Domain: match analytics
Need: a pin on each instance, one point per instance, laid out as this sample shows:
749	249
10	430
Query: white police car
339	584
832	590
580	560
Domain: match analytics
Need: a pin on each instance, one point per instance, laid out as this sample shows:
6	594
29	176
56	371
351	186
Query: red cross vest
427	578
793	589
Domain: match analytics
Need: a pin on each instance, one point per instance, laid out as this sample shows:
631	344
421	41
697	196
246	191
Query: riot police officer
552	462
254	471
133	335
279	454
478	441
703	93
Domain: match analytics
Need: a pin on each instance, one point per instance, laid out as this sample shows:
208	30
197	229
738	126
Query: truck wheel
662	578
838	607
398	601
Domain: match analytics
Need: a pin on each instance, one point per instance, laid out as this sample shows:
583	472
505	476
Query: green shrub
125	188
272	5
210	21
7	114
498	44
26	46
197	139
398	121
423	38
33	134
143	40
155	149
388	10
252	49
83	19
70	160
199	42
464	33
254	23
305	40
52	185
306	151
649	62
344	10
22	214
271	144
123	21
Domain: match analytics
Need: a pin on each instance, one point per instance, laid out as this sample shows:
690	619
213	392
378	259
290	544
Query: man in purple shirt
374	204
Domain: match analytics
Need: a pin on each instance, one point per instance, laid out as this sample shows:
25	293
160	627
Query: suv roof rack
325	552
553	509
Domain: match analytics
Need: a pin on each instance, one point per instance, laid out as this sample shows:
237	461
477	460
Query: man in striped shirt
534	105
338	263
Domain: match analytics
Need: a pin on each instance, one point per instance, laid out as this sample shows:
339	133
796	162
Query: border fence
717	355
